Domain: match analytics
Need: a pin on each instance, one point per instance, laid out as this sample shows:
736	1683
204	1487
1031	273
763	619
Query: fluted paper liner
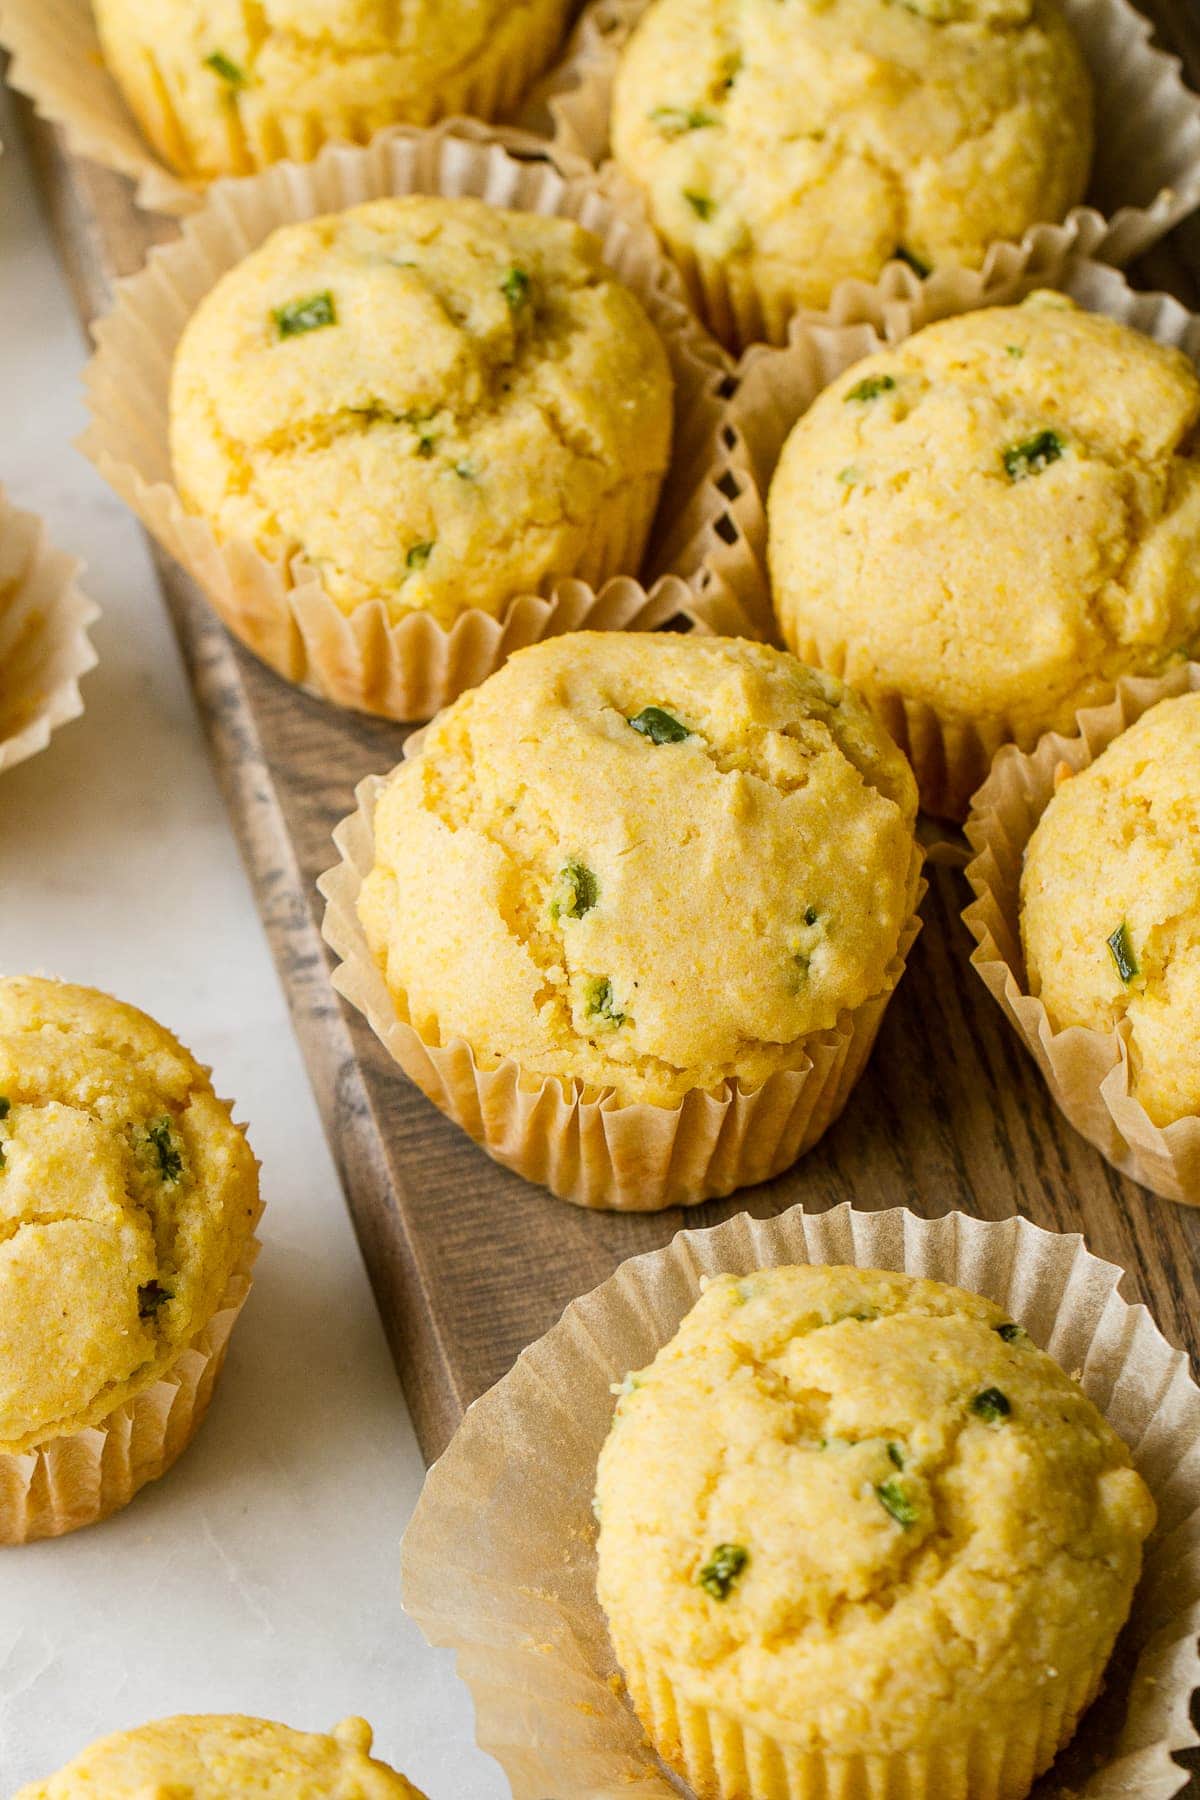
409	669
499	1560
44	643
57	63
81	1478
950	757
1088	1072
584	1143
1146	175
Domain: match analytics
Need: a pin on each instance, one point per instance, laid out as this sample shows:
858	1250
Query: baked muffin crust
438	402
127	1196
227	87
215	1757
1110	903
644	862
863	1513
814	141
997	518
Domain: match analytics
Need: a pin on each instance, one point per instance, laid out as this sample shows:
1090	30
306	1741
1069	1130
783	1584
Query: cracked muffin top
127	1195
214	1757
807	143
439	403
644	862
997	518
223	87
855	1508
1110	903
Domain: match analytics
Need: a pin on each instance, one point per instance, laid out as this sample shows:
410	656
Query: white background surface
261	1575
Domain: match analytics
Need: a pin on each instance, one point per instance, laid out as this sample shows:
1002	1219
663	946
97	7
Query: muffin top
1110	903
215	1757
432	399
643	861
850	1506
127	1196
222	89
815	141
997	517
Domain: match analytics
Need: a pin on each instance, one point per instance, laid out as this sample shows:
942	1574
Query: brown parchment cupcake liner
44	642
499	1561
1146	175
584	1144
950	757
58	63
82	1478
409	669
1088	1072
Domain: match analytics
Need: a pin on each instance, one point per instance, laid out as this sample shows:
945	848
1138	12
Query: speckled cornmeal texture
999	517
812	140
1111	883
931	1524
126	1197
225	86
225	1758
554	885
435	400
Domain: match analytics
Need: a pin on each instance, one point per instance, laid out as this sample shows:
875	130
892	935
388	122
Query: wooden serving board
468	1262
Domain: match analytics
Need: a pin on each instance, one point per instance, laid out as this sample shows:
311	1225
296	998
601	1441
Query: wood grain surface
468	1262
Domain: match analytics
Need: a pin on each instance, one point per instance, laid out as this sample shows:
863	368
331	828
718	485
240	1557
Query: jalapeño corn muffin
225	89
1110	903
127	1200
857	1534
439	403
645	863
216	1757
793	146
985	526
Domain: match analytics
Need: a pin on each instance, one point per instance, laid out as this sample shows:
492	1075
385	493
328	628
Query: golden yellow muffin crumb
216	1758
229	86
864	1515
806	143
127	1195
644	862
1110	903
438	402
997	518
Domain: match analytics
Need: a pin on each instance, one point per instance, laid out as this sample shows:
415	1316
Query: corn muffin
644	863
217	1757
1110	903
856	1527
991	523
439	403
127	1199
226	88
788	148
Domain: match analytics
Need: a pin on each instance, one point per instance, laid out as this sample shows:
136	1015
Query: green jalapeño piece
894	1500
659	726
600	1002
226	68
151	1297
991	1406
871	388
576	891
299	316
1033	455
722	1570
1122	953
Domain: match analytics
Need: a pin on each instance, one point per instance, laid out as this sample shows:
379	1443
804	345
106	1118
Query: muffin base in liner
951	757
1088	1072
1145	178
409	669
585	1144
57	63
44	643
499	1560
83	1477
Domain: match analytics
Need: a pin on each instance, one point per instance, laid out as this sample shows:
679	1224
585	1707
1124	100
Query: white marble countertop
261	1575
